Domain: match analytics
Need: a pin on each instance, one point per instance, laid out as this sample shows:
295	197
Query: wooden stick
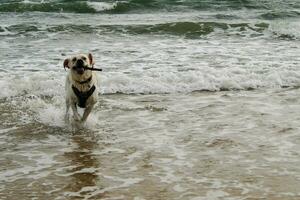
93	69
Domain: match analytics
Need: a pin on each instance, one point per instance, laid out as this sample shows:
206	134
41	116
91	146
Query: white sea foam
206	79
102	6
51	115
282	28
30	2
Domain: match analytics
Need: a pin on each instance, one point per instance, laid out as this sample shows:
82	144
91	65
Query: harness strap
83	96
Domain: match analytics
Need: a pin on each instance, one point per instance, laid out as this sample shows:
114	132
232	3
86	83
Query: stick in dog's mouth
88	68
93	69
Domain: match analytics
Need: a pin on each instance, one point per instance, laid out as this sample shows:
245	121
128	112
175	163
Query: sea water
198	99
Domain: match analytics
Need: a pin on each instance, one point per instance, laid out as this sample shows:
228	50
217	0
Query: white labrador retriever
81	86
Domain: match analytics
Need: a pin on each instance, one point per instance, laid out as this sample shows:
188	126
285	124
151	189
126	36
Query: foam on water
159	66
102	6
51	115
290	30
157	81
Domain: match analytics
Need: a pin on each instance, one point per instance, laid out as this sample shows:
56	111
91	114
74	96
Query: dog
81	86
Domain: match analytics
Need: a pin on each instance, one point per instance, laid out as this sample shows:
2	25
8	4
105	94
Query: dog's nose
79	63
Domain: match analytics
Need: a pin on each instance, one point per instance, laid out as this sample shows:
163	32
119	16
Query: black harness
83	96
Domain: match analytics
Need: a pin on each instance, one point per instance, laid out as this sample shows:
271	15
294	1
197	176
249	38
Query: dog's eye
74	59
83	58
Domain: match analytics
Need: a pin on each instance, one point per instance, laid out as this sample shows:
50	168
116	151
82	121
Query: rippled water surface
226	145
199	100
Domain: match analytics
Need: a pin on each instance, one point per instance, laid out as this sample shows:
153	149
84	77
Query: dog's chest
83	96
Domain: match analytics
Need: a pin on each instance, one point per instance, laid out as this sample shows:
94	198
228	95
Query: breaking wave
186	29
59	6
152	82
138	6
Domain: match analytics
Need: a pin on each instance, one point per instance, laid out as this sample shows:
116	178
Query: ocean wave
138	6
153	82
192	30
280	15
68	6
74	7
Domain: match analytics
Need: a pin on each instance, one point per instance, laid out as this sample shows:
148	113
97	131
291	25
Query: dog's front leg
67	111
86	113
75	112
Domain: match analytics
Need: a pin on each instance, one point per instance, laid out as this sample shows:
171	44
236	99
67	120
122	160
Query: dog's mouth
80	70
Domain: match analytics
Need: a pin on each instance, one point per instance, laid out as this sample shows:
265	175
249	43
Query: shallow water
225	145
198	100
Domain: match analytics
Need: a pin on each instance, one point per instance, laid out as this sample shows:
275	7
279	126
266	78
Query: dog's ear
66	63
92	62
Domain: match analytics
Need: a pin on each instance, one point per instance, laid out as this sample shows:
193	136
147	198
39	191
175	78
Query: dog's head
78	63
